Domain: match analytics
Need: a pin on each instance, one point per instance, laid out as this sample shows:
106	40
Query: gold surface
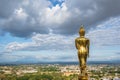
82	77
82	45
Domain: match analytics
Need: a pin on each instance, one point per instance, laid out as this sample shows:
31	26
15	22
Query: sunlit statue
82	45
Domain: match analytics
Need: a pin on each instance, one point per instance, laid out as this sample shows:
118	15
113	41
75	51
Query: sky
45	30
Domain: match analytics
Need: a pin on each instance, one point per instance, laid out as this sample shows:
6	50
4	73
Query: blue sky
45	30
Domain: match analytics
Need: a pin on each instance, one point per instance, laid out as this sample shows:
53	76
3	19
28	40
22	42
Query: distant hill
62	63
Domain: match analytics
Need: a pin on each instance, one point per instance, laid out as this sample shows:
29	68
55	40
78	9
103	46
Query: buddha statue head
82	31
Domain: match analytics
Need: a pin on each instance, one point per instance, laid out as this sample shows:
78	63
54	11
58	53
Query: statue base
82	77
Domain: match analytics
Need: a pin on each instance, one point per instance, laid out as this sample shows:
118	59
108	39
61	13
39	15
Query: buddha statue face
82	32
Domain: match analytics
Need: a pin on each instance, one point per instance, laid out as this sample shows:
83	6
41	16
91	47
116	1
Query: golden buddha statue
82	45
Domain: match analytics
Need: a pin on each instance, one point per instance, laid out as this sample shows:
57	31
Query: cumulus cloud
7	7
55	15
89	13
106	34
22	18
43	42
24	21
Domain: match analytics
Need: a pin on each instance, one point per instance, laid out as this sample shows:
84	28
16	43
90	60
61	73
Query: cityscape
58	72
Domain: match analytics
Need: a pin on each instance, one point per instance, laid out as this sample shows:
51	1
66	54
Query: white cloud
55	15
23	18
43	42
20	14
107	33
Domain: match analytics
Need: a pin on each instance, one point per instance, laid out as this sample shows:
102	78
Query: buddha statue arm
88	47
76	44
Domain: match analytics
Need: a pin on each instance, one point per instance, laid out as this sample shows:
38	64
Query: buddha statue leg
79	57
83	65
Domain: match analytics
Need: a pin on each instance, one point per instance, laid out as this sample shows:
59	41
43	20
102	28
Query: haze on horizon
44	30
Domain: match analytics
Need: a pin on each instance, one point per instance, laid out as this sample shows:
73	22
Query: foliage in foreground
38	76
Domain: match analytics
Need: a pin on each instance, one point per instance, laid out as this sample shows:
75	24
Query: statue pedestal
82	77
